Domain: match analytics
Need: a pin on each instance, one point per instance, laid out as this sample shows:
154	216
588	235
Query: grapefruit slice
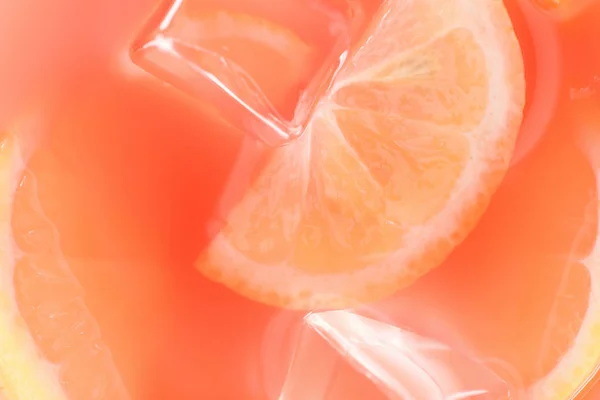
577	366
396	166
50	345
521	293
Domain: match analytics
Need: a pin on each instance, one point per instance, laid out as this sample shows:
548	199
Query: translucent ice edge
402	364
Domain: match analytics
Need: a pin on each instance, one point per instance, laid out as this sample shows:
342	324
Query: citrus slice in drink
573	323
521	292
50	344
396	166
519	295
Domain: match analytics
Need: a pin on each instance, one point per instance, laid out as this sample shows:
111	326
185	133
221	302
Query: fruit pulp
133	175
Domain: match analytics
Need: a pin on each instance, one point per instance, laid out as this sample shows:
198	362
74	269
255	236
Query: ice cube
401	364
259	65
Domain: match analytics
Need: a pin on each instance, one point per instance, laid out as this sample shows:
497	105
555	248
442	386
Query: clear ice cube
182	45
401	364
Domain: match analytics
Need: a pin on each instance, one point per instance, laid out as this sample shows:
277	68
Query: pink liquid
131	172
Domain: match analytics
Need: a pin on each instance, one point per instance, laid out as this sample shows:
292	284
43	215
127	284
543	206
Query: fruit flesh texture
191	337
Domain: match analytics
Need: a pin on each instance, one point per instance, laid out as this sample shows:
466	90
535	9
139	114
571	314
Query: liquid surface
131	172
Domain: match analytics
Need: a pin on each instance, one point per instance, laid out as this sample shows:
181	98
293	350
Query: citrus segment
270	240
416	164
342	217
396	165
47	331
444	82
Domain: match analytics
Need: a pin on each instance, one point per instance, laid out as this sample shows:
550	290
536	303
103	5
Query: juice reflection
131	173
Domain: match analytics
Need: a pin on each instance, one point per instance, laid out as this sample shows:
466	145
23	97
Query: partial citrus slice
576	366
521	293
50	345
573	326
397	164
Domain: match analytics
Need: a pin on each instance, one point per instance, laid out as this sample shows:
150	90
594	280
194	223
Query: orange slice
50	345
576	366
396	166
522	291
